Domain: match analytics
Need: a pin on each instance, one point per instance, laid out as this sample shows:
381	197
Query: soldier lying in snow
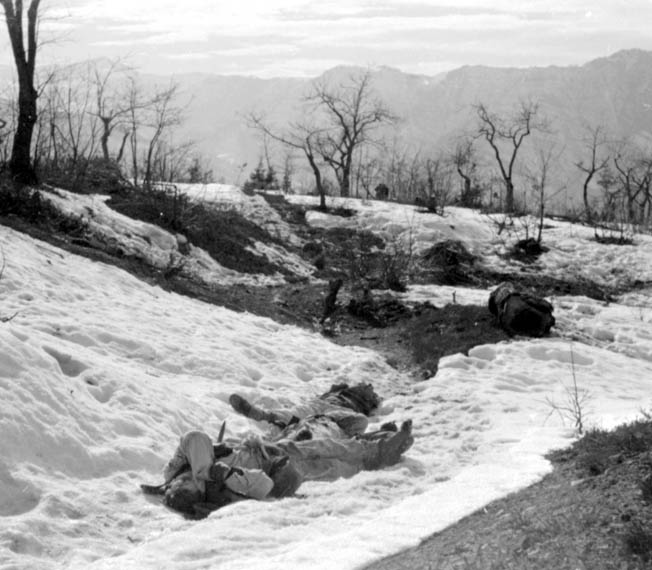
520	313
341	412
202	477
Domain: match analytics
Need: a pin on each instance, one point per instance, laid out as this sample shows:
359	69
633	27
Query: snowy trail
100	374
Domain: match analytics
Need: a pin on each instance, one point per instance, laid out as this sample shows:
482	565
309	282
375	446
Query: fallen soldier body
342	412
326	438
520	313
202	477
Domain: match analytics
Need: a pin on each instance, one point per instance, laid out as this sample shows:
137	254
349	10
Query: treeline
97	123
87	127
507	160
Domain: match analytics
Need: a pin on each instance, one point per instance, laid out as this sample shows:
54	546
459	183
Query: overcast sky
304	37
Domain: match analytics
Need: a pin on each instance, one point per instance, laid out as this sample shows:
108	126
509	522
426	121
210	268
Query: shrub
527	250
599	447
163	205
434	204
28	204
614	236
381	191
86	176
24	202
261	179
471	197
448	262
386	268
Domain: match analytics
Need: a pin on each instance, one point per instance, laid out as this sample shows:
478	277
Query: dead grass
574	518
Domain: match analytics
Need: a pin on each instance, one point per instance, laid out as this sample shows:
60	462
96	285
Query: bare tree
634	174
150	118
351	114
400	171
303	137
594	141
367	172
25	59
505	136
135	100
172	160
8	112
112	108
288	171
465	163
79	126
198	171
434	183
163	116
540	180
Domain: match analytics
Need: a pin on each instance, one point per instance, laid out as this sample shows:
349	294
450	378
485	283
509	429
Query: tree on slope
505	136
465	162
112	106
350	113
597	161
25	58
540	177
303	137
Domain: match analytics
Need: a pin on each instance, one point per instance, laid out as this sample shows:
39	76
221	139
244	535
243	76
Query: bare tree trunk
20	164
134	155
512	132
352	115
318	182
509	195
123	144
104	139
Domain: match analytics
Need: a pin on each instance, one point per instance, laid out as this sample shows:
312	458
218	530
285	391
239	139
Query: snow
420	229
161	249
253	207
101	373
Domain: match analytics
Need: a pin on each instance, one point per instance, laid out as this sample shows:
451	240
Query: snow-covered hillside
100	374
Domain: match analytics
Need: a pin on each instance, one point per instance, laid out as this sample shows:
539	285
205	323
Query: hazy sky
305	37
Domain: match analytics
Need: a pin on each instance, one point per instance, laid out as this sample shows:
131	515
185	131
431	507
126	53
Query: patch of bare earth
593	512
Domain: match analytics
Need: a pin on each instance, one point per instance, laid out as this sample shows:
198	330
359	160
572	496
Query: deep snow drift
100	374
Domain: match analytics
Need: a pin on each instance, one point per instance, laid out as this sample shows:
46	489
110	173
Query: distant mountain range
614	92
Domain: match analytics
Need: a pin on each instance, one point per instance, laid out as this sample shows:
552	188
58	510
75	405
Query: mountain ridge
614	92
610	91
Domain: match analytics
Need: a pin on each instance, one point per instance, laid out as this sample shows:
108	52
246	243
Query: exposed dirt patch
419	336
411	338
435	333
575	517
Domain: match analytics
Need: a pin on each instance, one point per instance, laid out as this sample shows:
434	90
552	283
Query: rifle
160	489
